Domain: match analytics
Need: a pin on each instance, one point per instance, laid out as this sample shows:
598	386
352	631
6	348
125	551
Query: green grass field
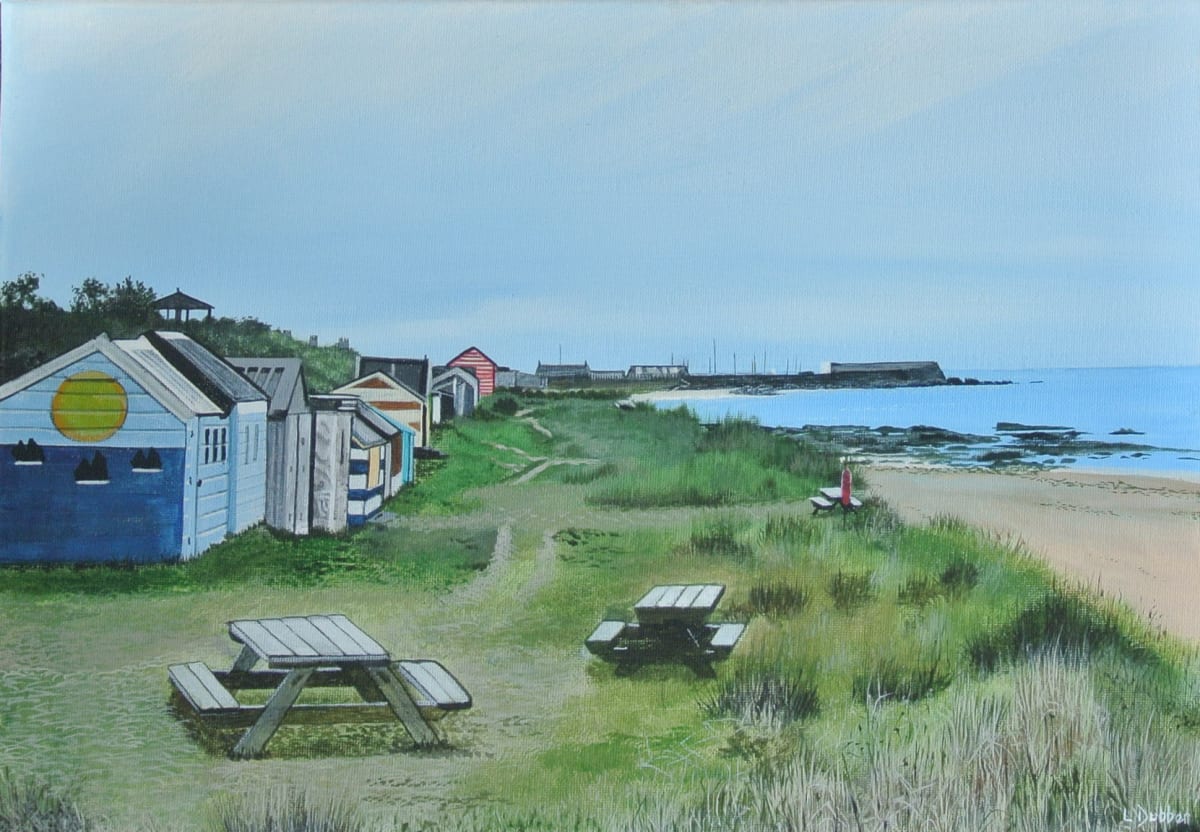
890	678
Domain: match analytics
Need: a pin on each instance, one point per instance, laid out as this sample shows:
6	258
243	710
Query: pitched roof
414	372
178	300
216	378
376	380
371	427
142	351
469	350
166	385
277	377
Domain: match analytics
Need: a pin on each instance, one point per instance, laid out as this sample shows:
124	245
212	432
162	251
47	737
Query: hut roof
277	377
215	377
413	372
179	300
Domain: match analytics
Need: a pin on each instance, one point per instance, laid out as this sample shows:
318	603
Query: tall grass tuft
28	805
919	590
898	679
719	536
850	589
960	576
777	598
791	529
286	810
1060	619
763	693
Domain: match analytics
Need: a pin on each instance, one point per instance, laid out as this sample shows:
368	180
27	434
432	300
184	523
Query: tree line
35	329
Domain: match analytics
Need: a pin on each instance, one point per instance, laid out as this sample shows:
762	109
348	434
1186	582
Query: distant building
564	372
656	372
484	368
890	370
607	375
517	380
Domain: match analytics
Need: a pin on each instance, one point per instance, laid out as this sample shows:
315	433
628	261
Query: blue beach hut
140	450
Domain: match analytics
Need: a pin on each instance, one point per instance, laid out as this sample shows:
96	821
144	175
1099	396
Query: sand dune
1135	537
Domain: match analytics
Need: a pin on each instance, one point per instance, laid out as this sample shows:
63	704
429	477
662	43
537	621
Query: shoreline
1135	537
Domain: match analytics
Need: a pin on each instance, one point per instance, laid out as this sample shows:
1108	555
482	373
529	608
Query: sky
778	184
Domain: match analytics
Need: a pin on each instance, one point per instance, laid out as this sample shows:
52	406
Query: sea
1135	419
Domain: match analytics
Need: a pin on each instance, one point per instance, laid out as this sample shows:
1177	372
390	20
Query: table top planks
679	601
308	641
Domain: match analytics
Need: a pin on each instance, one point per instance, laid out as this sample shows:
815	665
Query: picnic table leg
245	660
255	739
403	706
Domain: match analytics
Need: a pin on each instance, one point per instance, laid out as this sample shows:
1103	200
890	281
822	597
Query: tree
22	293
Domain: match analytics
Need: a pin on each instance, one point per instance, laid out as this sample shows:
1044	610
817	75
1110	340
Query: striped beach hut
401	403
142	450
484	368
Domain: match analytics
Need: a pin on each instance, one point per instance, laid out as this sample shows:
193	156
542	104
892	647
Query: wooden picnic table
672	626
316	651
831	498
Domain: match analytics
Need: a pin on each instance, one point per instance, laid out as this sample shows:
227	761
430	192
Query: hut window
246	443
224	443
207	445
256	443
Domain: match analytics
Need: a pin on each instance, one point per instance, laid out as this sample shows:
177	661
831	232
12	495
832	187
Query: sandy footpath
1135	537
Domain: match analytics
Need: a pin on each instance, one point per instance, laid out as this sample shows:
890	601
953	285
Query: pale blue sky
988	185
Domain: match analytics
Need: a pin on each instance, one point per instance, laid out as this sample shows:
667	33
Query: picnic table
301	652
672	626
830	499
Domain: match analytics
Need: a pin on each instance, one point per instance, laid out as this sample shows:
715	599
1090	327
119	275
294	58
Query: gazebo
182	305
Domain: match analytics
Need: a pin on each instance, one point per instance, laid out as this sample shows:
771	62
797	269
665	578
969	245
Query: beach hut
139	450
332	427
484	368
400	402
371	456
289	439
460	386
414	373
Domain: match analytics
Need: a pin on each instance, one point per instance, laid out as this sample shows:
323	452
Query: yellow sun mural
89	406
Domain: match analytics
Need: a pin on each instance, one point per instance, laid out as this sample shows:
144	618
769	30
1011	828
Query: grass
890	676
261	557
29	805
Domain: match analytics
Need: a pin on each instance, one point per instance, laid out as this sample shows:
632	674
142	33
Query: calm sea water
1161	403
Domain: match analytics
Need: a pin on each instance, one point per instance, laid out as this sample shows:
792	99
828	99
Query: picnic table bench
831	498
672	626
303	652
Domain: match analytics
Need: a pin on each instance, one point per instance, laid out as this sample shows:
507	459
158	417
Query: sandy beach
1134	537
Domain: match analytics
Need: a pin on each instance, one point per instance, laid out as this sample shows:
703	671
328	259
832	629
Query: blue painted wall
45	516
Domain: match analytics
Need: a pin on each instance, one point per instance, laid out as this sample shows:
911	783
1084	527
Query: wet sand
1135	537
